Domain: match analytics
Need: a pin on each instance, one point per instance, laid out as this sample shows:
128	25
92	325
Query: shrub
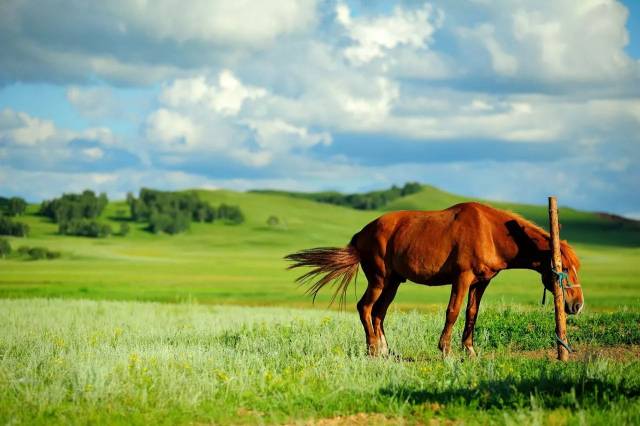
37	253
16	229
273	221
40	253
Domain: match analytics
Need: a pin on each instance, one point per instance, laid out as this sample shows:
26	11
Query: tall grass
65	361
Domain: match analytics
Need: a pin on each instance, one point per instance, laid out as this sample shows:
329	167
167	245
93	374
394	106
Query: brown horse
465	245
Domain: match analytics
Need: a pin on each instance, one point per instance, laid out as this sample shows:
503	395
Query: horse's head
573	298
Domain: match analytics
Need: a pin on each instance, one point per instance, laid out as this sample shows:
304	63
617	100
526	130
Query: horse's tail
331	265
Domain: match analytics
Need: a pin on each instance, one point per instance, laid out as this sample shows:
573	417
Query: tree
16	206
74	206
172	212
5	248
84	228
230	214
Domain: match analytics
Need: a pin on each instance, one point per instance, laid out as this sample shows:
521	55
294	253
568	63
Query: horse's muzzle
573	308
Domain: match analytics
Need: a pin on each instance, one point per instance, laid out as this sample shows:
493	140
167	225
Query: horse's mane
565	248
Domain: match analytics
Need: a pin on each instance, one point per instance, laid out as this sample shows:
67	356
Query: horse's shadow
512	393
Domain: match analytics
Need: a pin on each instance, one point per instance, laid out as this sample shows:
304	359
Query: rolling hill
242	264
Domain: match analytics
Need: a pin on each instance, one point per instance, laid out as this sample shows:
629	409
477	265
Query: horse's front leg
458	290
473	305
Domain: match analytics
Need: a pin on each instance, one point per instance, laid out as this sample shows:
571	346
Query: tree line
372	200
173	212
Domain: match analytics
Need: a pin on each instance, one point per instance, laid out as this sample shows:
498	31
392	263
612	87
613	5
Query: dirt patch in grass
360	419
376	419
585	353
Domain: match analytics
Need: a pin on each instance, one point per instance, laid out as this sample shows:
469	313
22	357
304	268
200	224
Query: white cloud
32	144
557	42
200	117
21	129
372	37
280	136
226	97
221	21
173	131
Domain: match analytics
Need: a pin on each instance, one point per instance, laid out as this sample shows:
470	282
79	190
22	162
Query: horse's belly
423	272
430	280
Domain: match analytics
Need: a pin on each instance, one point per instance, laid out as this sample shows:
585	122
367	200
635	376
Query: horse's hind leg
380	311
365	306
473	305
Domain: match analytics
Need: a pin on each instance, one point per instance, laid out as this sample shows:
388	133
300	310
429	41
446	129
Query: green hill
577	226
242	264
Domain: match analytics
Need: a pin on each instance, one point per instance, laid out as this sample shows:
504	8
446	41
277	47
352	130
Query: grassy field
79	362
84	340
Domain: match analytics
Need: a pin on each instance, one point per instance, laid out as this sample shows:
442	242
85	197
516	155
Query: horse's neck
539	238
532	249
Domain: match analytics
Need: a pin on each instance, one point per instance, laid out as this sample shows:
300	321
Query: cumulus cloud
205	116
32	144
557	43
226	97
372	37
20	128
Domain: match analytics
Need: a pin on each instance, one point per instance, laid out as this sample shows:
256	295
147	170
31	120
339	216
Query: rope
562	277
565	344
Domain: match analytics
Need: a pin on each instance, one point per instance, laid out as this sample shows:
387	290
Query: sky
505	100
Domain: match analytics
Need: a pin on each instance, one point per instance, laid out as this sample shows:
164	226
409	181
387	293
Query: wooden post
556	263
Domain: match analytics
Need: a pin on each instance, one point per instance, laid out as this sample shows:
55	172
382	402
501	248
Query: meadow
208	327
79	362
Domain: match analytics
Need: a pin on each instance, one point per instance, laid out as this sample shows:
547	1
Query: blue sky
507	100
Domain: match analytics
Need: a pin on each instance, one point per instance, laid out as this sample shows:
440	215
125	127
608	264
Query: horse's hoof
471	353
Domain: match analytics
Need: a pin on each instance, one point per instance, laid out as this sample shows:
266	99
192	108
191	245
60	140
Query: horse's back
428	246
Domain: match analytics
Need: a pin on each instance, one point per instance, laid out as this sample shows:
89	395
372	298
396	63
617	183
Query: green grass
65	360
79	362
